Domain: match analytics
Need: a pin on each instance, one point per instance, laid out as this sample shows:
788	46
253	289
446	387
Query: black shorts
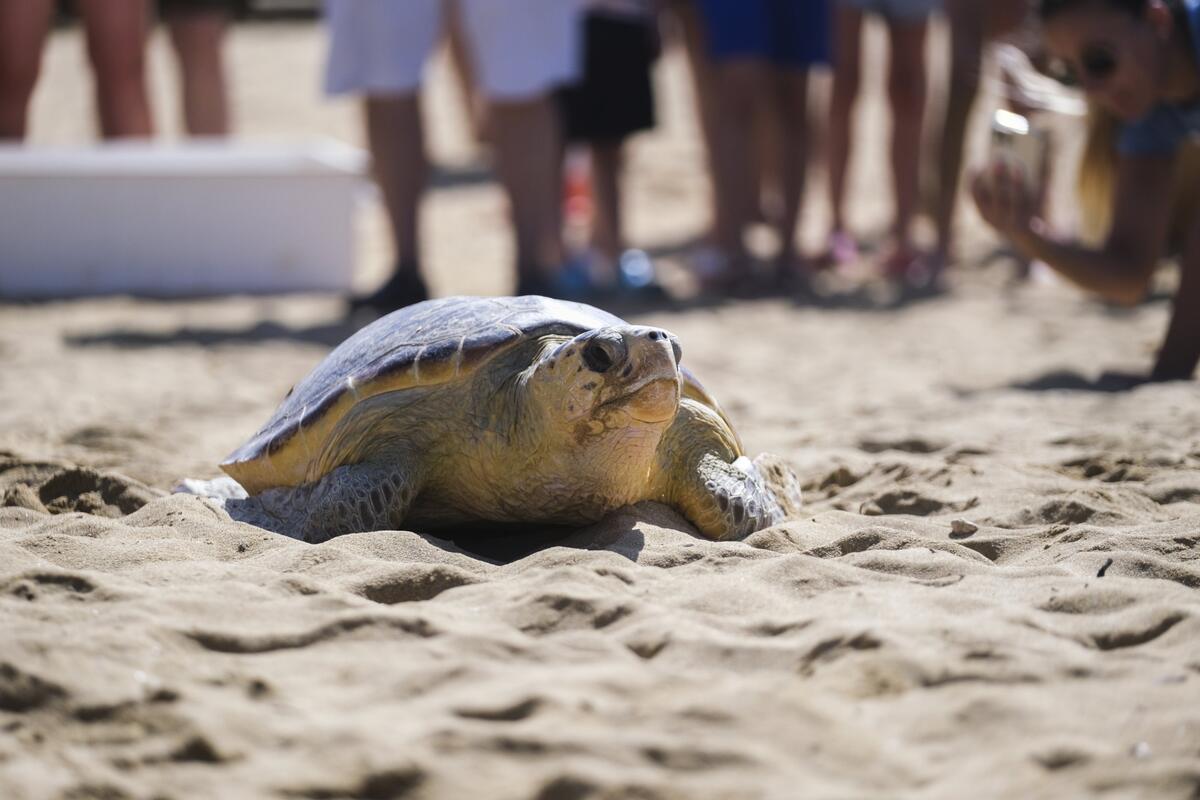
614	98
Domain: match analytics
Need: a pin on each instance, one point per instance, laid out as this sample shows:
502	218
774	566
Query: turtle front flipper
350	499
704	475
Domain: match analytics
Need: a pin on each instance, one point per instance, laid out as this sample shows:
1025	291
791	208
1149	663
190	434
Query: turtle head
607	378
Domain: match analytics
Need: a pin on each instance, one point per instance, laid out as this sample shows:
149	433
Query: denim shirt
1166	127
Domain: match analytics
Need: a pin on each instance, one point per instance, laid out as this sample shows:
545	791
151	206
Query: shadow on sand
329	334
504	543
1068	380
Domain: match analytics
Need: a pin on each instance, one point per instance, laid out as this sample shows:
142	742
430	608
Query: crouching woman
1138	61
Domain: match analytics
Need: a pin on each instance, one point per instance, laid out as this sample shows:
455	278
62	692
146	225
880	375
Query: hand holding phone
1017	143
1006	191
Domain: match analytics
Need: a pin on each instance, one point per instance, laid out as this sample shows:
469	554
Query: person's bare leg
847	30
693	37
116	39
692	28
791	111
396	139
1180	350
397	142
198	40
966	64
906	93
528	140
464	72
740	86
607	231
766	159
23	28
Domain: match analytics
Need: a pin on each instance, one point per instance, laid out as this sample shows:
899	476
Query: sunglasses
1098	63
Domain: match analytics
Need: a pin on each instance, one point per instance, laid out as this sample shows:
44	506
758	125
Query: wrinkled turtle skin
511	410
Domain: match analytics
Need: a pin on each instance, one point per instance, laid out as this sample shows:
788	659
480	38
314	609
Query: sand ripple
157	645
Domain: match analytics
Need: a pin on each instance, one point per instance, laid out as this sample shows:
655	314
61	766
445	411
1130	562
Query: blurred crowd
558	87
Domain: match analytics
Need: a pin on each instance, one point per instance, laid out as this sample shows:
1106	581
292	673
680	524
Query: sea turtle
505	409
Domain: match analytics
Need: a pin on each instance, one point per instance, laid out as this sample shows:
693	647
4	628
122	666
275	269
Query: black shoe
404	288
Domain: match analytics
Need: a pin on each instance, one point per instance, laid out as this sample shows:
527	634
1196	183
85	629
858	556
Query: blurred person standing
377	49
682	20
762	52
197	29
115	31
520	52
1138	62
613	100
907	26
973	24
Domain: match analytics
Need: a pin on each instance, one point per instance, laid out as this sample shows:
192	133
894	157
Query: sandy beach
150	647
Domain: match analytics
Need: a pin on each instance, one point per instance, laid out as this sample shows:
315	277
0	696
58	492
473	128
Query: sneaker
843	249
900	264
569	282
928	270
793	274
573	281
915	270
637	277
404	288
635	271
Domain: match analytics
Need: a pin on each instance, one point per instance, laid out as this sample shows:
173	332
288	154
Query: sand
994	590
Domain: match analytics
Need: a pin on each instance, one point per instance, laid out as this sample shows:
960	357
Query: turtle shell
434	342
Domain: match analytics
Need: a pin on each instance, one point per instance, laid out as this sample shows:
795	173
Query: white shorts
520	49
379	46
524	48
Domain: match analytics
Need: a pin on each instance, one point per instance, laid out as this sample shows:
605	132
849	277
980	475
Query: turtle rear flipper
350	499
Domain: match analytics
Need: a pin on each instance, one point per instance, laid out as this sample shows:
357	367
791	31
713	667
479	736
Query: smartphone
1019	143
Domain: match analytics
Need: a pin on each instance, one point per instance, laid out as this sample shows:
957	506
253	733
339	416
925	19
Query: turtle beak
653	373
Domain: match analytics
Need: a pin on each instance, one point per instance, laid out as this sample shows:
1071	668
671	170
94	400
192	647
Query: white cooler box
178	219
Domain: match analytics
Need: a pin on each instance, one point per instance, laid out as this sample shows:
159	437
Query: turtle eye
600	354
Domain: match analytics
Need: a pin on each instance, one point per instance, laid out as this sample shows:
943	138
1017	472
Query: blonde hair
1097	181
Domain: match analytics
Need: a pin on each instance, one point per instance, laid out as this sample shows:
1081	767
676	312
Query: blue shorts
787	33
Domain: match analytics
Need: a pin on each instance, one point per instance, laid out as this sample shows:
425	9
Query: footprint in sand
1105	468
63	488
911	502
909	444
22	691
